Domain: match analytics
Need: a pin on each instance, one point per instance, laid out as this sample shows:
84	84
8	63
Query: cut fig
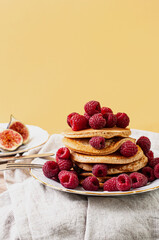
19	127
10	140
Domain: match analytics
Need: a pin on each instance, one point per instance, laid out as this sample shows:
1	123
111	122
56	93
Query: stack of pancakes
84	156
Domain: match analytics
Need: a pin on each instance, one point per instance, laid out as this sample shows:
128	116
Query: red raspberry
78	122
69	118
149	173
63	153
138	179
64	164
144	143
106	110
110	185
50	169
153	162
68	179
150	156
92	107
87	116
123	182
156	171
128	149
97	121
97	142
90	183
122	120
99	170
111	120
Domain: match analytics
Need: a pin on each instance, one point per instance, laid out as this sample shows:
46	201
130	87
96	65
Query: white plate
38	174
38	136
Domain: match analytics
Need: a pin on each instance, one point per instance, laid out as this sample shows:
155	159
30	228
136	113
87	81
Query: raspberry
64	164
128	149
87	116
97	121
97	142
123	182
150	156
99	170
110	185
78	122
149	173
153	162
144	143
92	107
111	120
156	171
68	179
63	153
138	179
122	120
90	184
106	110
69	117
55	178
50	169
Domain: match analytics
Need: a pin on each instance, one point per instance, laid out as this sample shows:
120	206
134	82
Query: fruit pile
14	136
101	155
97	118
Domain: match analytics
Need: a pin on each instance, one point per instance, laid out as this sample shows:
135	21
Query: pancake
104	132
114	158
82	145
118	168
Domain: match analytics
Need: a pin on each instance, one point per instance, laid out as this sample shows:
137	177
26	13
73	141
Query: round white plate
38	136
38	174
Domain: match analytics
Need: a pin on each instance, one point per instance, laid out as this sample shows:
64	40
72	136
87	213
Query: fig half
19	127
10	140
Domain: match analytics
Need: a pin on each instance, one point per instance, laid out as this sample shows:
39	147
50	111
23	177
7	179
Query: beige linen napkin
30	210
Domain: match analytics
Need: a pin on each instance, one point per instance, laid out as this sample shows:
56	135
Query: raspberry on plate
63	153
138	179
150	156
99	170
50	169
64	164
128	149
105	111
97	142
123	182
68	179
111	120
144	143
92	107
156	171
122	120
97	121
78	122
153	162
90	183
149	173
110	185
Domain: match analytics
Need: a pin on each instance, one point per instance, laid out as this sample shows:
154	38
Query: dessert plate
154	137
38	136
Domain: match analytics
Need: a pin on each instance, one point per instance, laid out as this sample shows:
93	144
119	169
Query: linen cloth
30	210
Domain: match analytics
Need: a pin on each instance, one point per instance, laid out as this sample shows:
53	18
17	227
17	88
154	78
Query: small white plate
38	136
38	174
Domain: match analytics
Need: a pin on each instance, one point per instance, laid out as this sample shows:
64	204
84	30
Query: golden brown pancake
114	158
104	132
116	168
81	145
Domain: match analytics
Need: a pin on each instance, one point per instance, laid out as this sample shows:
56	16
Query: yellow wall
55	55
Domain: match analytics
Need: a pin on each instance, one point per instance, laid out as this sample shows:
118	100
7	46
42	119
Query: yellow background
55	55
